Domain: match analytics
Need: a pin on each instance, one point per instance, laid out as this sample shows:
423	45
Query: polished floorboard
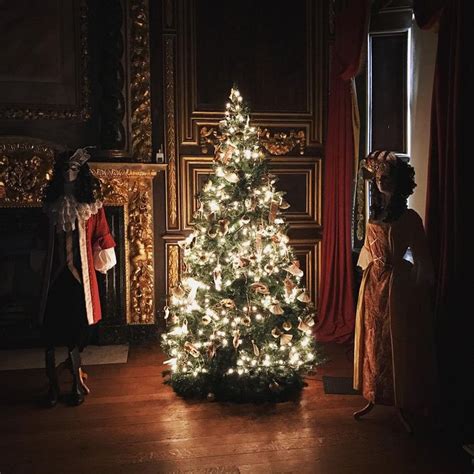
133	423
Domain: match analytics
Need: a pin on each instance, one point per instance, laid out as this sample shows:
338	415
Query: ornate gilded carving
173	266
280	143
82	111
132	188
140	80
24	170
171	133
140	236
360	204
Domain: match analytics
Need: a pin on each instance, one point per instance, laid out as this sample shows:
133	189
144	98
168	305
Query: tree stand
401	416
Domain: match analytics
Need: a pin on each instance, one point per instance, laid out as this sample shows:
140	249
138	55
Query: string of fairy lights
240	293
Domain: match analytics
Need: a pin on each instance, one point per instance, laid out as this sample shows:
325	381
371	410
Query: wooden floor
132	423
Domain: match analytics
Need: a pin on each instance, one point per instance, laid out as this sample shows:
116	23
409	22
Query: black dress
65	319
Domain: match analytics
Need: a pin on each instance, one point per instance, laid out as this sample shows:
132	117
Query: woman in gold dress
394	362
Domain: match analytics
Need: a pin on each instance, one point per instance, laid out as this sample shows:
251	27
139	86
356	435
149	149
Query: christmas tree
239	324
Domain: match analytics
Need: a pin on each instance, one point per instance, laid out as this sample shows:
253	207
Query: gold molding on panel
311	119
172	180
81	112
25	169
361	194
140	80
192	167
131	186
173	264
281	143
188	189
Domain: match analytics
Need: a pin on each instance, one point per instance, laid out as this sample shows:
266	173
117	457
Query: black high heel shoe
77	392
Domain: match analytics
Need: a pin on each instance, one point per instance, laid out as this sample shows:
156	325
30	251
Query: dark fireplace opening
22	257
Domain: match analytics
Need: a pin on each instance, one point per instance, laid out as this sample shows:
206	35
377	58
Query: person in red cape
79	243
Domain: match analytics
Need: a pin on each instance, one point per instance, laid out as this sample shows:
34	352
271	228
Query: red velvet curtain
336	304
445	208
443	216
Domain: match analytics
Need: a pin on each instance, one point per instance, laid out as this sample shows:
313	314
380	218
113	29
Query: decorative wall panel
308	253
252	40
300	179
44	71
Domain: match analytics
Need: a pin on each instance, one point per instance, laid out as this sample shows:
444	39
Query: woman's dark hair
86	186
403	175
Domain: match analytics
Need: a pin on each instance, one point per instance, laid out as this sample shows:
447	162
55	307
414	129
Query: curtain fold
446	205
443	199
336	303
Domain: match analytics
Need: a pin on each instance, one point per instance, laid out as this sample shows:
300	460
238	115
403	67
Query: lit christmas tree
239	324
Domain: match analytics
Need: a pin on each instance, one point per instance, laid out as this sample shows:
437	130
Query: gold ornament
284	204
258	244
224	156
236	340
256	350
269	268
285	339
273	212
224	226
304	297
276	309
304	327
211	351
191	349
212	232
206	320
227	303
276	333
244	262
246	321
178	292
217	278
287	325
260	288
276	238
295	269
245	219
289	286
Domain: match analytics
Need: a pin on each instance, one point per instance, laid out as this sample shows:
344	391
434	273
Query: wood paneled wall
276	53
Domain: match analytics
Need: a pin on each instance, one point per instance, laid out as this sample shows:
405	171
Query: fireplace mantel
25	168
131	185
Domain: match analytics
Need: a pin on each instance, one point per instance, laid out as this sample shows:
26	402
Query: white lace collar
66	210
